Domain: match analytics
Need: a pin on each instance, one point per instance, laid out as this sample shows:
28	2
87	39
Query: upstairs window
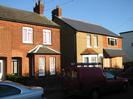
95	40
47	37
112	41
132	44
27	35
88	40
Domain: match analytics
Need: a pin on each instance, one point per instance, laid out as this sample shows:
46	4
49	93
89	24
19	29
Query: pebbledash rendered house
83	42
29	43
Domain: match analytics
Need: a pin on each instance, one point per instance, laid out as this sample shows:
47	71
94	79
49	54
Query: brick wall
11	42
105	43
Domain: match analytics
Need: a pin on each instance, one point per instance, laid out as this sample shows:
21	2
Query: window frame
89	40
90	58
131	44
95	40
26	35
47	33
42	65
52	62
112	41
17	63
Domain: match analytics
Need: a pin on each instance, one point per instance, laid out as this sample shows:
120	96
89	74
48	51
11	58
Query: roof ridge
24	16
83	21
16	9
88	27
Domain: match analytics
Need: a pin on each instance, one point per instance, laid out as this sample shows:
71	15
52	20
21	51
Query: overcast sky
115	15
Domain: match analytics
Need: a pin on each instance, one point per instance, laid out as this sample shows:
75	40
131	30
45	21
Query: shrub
16	78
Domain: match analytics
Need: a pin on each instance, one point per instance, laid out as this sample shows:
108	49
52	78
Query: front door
41	66
1	69
52	65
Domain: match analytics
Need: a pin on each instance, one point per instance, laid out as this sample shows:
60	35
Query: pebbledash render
83	42
29	43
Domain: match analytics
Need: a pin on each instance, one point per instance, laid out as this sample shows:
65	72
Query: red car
91	81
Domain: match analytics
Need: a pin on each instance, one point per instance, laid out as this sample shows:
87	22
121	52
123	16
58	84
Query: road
59	94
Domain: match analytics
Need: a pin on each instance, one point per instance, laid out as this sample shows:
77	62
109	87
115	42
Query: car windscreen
6	90
109	76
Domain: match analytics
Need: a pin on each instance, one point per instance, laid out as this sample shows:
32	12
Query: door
1	69
52	65
41	69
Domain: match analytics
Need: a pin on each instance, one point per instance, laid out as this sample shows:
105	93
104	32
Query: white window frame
52	64
15	64
47	37
90	59
88	40
42	65
1	72
26	33
114	40
95	40
90	56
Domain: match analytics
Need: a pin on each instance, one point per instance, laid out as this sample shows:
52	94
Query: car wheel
94	94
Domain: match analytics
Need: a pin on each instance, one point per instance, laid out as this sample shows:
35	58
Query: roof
16	15
87	27
126	32
41	49
113	52
89	51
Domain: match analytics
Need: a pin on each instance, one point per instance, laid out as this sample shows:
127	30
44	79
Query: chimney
57	12
39	7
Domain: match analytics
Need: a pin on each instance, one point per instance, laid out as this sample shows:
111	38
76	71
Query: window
112	41
52	65
16	63
47	37
132	44
109	76
89	58
86	59
88	40
95	40
1	69
41	66
6	90
27	35
1	66
93	59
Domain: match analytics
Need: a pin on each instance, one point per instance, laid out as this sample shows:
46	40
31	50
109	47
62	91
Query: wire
65	3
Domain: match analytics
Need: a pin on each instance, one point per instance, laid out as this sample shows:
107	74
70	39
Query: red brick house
29	43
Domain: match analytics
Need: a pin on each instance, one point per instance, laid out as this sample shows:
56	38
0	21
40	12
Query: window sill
47	44
95	46
28	43
89	46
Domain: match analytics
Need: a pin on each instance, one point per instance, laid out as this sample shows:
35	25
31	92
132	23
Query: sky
115	15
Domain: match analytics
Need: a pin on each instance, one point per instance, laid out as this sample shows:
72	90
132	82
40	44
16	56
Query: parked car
12	90
128	74
113	71
91	81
